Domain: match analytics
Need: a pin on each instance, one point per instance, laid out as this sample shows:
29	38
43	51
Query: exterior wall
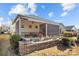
62	28
14	27
17	27
74	28
52	29
26	28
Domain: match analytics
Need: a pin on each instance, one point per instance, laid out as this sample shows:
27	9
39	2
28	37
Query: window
36	27
22	26
30	26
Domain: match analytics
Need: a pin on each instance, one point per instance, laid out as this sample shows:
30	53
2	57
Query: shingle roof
69	27
61	24
38	18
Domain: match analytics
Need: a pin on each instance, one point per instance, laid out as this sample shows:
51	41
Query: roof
69	27
61	24
37	18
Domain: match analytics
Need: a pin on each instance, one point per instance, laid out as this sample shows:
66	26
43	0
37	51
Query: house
24	25
71	28
78	31
0	28
64	28
4	28
61	28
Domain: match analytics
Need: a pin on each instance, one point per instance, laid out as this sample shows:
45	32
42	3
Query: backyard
58	50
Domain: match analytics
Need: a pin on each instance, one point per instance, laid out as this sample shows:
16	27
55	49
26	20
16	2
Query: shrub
67	34
14	41
73	40
70	34
68	41
78	38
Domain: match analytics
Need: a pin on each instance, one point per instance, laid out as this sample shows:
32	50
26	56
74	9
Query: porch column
19	26
46	30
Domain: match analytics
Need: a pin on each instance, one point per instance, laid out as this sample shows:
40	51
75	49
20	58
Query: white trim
20	26
17	20
35	20
46	30
30	19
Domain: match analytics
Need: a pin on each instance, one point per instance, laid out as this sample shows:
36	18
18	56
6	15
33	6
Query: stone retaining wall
25	48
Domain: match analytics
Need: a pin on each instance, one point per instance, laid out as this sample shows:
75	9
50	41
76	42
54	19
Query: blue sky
67	13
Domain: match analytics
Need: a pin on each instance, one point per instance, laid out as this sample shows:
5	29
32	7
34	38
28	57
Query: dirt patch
55	51
4	45
58	50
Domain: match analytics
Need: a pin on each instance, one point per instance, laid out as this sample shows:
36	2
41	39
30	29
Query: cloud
50	14
1	19
43	6
32	8
8	22
60	21
67	7
64	14
18	9
23	9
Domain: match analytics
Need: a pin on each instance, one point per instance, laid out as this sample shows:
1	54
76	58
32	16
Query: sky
66	13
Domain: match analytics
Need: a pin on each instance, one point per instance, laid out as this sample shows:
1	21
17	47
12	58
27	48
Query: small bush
67	34
78	38
70	34
14	41
68	41
73	40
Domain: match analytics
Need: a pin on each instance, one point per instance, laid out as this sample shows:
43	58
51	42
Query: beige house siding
14	27
17	27
26	28
62	29
21	26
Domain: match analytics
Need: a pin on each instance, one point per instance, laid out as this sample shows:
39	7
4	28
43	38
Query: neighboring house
12	28
71	28
5	28
78	31
23	25
62	28
0	28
